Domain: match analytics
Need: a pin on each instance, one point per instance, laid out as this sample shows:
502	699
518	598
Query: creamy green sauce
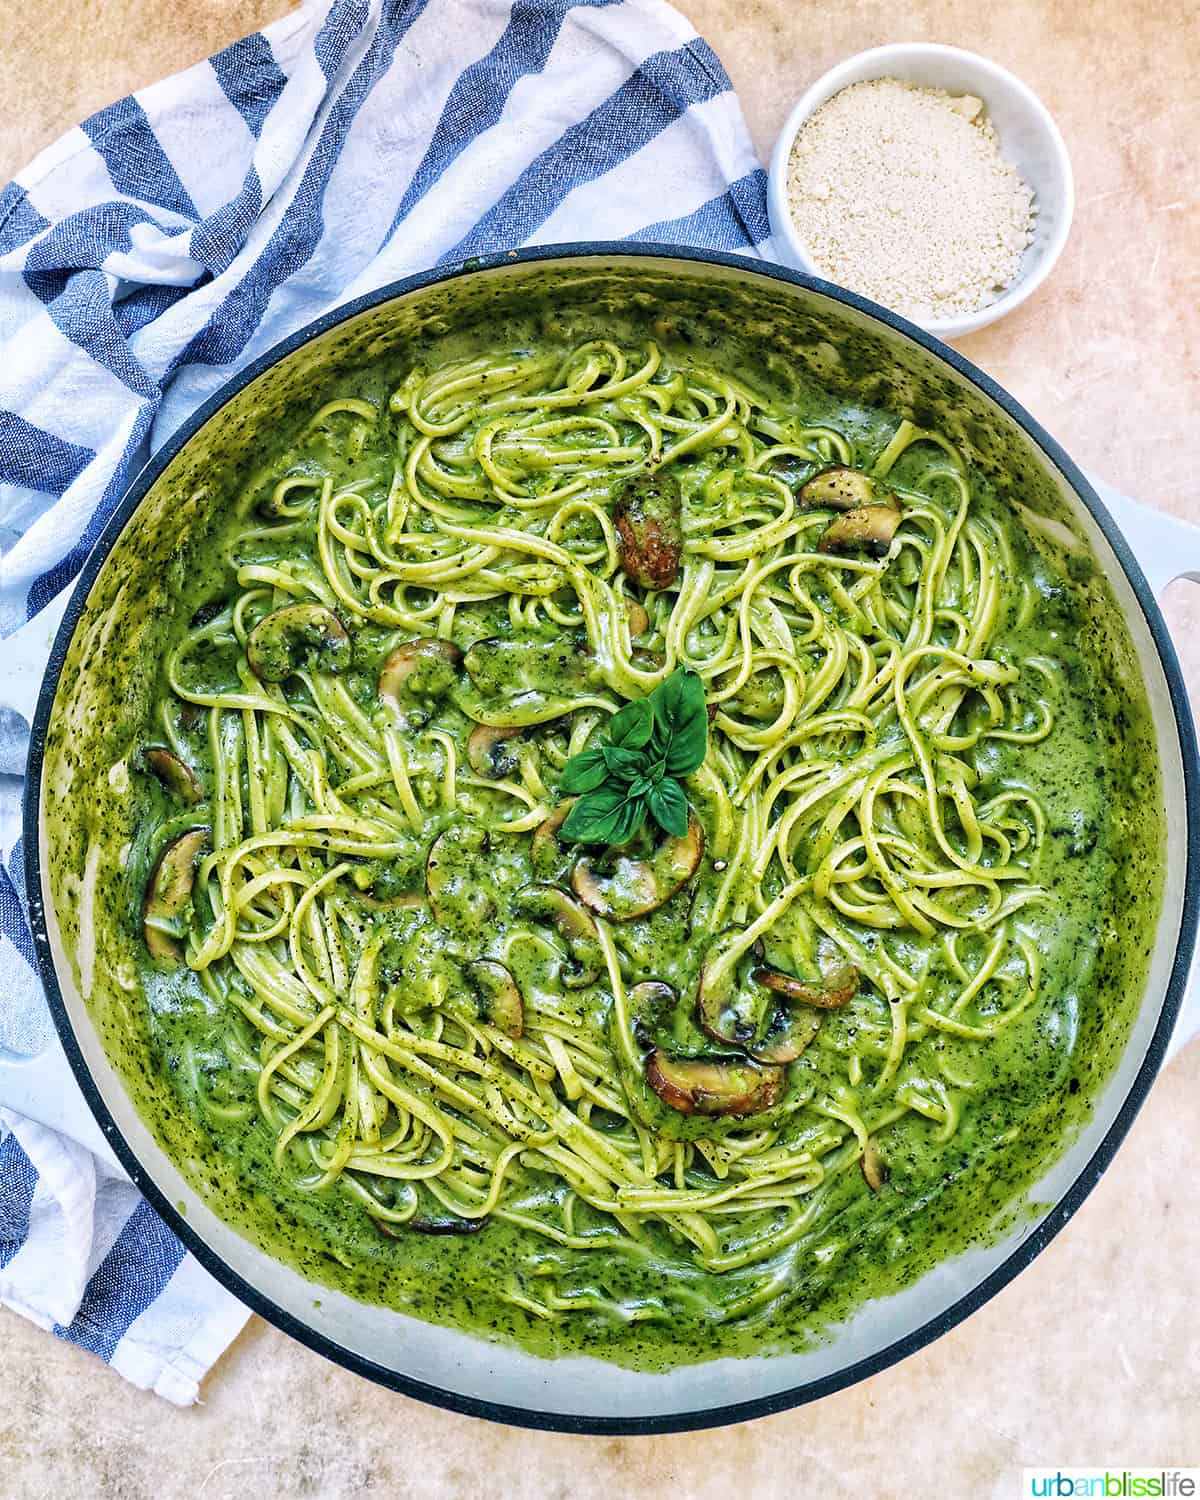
1030	1086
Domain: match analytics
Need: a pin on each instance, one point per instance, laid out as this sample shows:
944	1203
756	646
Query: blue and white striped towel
164	243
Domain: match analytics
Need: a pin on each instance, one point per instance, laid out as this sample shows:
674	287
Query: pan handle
1166	549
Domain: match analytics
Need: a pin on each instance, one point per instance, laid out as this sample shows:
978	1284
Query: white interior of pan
467	1367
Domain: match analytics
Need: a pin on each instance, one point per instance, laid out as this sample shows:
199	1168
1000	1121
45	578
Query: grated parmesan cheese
901	193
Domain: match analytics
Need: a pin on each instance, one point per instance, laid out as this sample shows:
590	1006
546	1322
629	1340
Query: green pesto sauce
1096	776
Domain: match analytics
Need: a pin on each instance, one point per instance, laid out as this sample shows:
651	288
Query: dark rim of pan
1040	1235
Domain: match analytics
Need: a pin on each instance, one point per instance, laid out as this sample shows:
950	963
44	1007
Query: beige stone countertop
1092	1356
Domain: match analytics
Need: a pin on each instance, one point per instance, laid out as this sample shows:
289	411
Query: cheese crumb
901	193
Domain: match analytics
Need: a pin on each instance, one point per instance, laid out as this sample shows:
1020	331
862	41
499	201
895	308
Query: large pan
818	323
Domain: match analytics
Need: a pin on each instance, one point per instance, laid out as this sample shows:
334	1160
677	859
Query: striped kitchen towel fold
84	1256
163	244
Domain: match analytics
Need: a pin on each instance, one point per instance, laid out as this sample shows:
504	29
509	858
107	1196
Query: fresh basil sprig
635	772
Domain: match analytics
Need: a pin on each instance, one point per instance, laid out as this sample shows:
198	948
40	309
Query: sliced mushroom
423	668
508	665
730	1006
168	892
619	887
870	528
423	1225
206	613
836	989
787	1037
841	488
646	661
178	777
649	1004
498	995
789	468
725	1086
649	520
546	853
297	635
459	880
653	997
874	1169
639	620
491	751
549	904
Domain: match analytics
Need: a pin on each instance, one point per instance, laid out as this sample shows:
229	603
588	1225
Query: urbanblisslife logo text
1112	1484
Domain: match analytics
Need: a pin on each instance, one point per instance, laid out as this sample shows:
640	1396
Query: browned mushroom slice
423	668
459	879
620	887
205	614
873	1167
491	751
730	1007
498	995
511	666
651	998
549	904
840	488
546	853
168	892
639	620
726	1086
867	529
424	1225
651	1006
789	468
645	661
649	520
298	635
789	1033
836	989
178	777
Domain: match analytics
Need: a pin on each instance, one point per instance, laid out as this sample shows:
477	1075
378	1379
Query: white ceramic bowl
1029	139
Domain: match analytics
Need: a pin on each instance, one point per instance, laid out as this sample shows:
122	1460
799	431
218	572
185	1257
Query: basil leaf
606	816
687	750
584	772
650	743
589	819
668	807
633	725
681	722
628	819
679	699
643	783
622	765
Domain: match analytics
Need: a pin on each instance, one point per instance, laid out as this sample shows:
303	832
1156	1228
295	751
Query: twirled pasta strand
849	694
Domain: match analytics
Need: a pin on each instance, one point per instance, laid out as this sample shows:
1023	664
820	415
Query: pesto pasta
701	1054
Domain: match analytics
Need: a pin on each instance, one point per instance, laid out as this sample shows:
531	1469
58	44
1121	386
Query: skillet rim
897	1349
